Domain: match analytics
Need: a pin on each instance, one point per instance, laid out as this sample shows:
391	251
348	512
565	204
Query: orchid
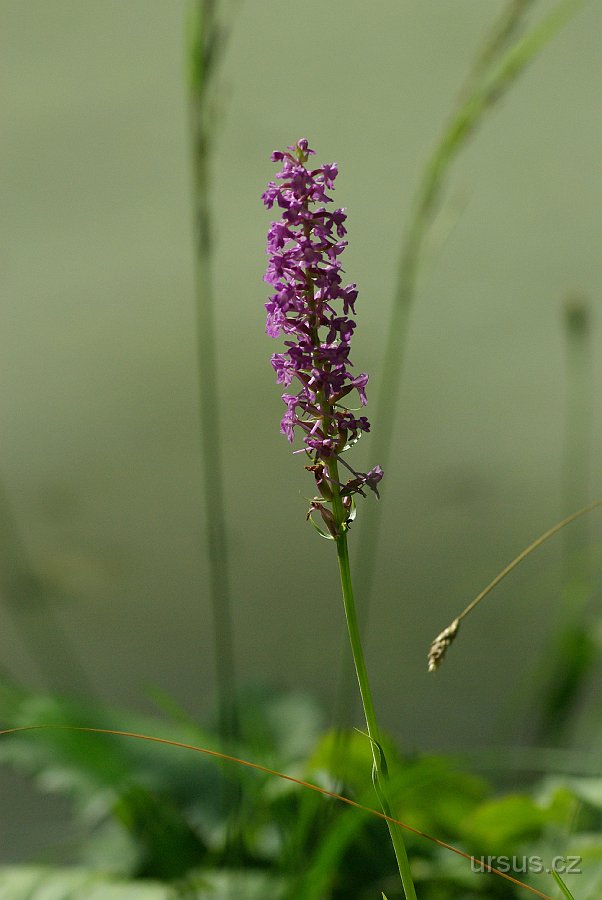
310	306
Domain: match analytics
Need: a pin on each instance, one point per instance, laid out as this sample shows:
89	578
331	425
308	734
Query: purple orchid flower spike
310	306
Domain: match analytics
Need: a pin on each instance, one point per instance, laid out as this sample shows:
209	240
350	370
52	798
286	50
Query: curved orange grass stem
266	770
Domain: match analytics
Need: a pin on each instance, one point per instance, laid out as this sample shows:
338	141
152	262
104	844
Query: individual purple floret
310	306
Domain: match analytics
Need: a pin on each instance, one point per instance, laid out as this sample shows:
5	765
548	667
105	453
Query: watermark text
564	865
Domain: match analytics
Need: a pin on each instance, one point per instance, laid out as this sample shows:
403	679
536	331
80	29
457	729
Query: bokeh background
100	466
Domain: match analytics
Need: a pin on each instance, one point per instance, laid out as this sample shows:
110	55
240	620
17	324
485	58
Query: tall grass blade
206	46
494	77
503	35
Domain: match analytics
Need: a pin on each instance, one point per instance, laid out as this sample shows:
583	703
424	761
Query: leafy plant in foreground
299	845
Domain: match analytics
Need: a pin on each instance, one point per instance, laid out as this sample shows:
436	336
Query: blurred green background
100	463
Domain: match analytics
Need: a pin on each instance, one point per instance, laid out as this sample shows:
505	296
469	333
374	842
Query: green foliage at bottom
159	823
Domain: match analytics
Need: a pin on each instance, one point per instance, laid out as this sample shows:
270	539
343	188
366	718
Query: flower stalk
207	44
304	269
379	768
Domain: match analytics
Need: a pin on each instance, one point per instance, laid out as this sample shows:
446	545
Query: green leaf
572	658
434	795
154	792
499	825
168	845
278	725
243	884
589	790
44	883
83	765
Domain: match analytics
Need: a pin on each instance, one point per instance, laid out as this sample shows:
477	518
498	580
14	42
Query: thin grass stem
441	643
206	45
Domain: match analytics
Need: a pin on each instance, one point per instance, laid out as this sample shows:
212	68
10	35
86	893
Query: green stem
378	756
205	44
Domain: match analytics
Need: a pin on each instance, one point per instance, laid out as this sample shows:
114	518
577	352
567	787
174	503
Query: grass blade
562	885
487	90
206	45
